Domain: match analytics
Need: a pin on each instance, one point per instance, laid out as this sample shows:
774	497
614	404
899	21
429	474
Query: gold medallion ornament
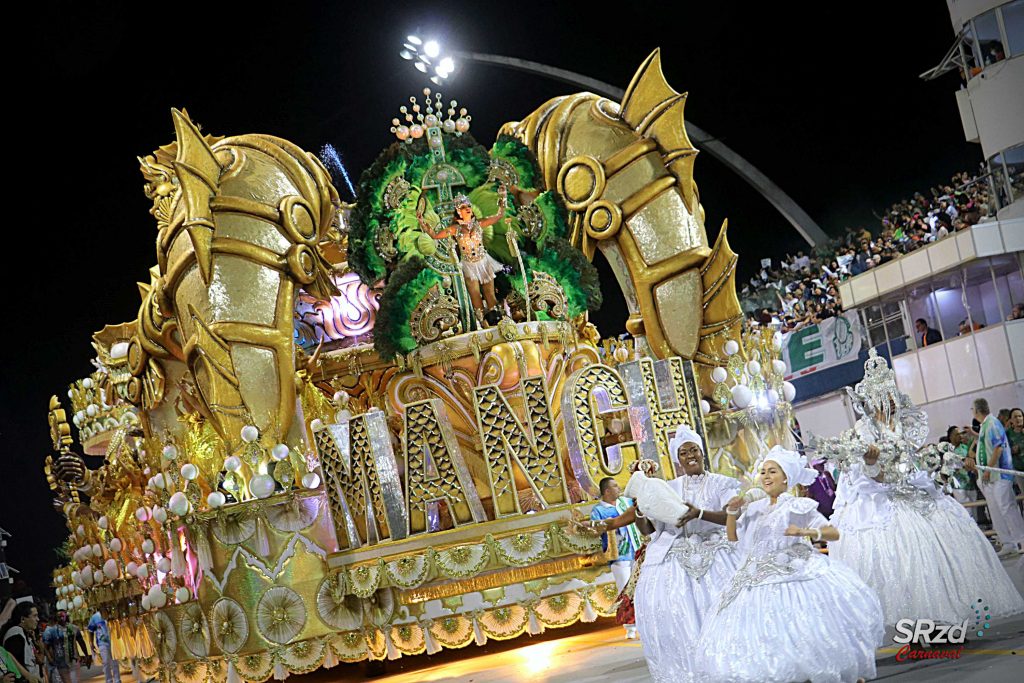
230	625
280	614
195	631
338	608
163	635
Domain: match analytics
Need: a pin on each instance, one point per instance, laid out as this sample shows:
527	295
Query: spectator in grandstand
1017	313
1016	436
965	489
925	334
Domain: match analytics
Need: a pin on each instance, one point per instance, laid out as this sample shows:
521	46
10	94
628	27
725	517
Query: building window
988	42
1007	173
1013	25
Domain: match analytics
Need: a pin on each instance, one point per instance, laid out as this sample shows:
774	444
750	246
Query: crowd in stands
803	288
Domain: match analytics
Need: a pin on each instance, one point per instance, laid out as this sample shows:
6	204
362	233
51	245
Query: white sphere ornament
788	391
343	415
719	375
279	452
80	531
76	578
143	571
182	594
115	545
316	425
160	514
78	601
340	398
742	396
705	407
97	550
97	576
159	481
753	368
146	606
91	410
170	452
178	504
732	347
311	480
779	366
60	579
777	341
62	605
773	397
157	597
77	421
163	565
148	546
216	499
110	569
262	486
189	472
232	463
142	514
250	433
132	568
87	382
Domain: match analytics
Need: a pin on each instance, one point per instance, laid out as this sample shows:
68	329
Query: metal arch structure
706	142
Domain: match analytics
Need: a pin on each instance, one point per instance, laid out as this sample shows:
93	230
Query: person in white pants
994	451
101	643
612	505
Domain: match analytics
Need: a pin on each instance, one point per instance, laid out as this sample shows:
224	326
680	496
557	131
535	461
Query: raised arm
732	512
502	205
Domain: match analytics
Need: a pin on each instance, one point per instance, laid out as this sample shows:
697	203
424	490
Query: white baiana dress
683	572
789	613
918	548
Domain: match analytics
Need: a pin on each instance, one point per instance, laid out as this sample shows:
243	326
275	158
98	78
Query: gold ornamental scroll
435	470
588	394
532	446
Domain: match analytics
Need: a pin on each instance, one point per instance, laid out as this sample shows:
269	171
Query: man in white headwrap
688	559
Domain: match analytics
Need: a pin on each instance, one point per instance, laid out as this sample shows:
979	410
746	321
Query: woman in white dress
789	613
688	559
917	547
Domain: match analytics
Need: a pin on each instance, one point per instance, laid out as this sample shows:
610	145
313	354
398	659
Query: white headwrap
684	435
793	465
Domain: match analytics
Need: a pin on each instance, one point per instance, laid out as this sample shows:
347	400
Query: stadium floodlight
427	58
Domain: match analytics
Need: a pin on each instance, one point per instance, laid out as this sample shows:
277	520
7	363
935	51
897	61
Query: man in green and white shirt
994	451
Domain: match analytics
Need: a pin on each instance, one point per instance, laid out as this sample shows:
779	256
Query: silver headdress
877	400
889	421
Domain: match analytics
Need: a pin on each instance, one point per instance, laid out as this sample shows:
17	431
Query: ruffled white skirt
926	565
483	271
670	609
823	629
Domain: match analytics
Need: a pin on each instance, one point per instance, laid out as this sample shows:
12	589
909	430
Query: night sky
824	99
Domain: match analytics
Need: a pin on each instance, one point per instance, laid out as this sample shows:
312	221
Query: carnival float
343	432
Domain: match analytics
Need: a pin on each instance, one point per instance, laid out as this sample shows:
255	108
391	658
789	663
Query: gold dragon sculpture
626	173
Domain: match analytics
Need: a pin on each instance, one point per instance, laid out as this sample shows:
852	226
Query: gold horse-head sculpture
625	171
240	224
